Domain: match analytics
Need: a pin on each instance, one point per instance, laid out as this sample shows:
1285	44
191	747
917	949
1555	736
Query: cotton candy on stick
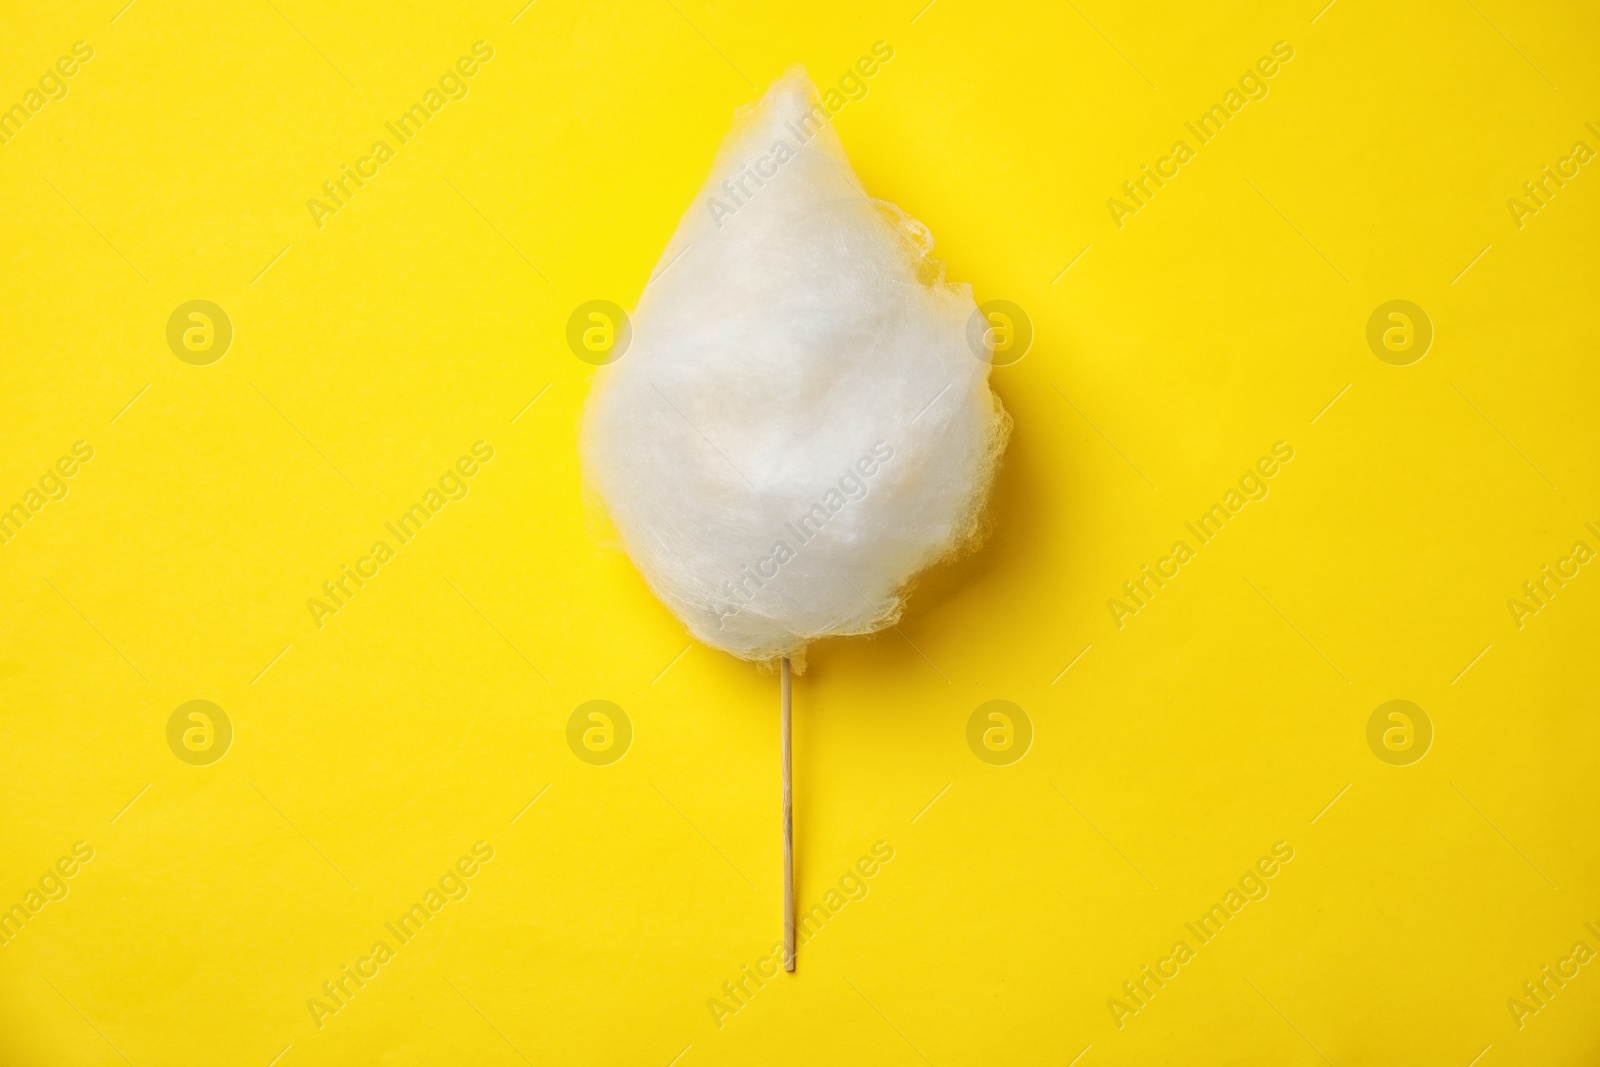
802	423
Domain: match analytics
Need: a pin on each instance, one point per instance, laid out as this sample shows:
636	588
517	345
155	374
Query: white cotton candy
802	422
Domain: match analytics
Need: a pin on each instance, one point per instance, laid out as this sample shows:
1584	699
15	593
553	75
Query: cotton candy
803	420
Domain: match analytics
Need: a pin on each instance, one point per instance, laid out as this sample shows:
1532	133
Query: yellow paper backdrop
1180	338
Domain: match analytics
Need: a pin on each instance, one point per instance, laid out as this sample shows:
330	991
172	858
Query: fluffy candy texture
803	421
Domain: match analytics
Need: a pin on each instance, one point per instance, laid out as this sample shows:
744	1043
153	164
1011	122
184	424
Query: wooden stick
788	828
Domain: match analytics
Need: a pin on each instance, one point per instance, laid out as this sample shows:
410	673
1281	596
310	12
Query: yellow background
1225	716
